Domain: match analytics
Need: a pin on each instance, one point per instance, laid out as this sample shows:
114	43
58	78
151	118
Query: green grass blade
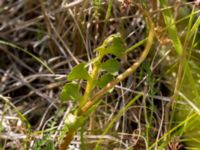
172	31
27	52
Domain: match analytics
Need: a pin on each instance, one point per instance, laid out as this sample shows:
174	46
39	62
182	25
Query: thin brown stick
67	139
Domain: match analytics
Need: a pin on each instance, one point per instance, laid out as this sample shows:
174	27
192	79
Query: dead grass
62	35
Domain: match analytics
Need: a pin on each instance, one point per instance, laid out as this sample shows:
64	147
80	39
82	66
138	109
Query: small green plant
45	143
102	77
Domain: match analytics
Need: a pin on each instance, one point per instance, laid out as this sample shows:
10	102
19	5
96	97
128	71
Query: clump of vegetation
132	74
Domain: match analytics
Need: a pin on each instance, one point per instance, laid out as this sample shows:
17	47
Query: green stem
89	87
91	82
